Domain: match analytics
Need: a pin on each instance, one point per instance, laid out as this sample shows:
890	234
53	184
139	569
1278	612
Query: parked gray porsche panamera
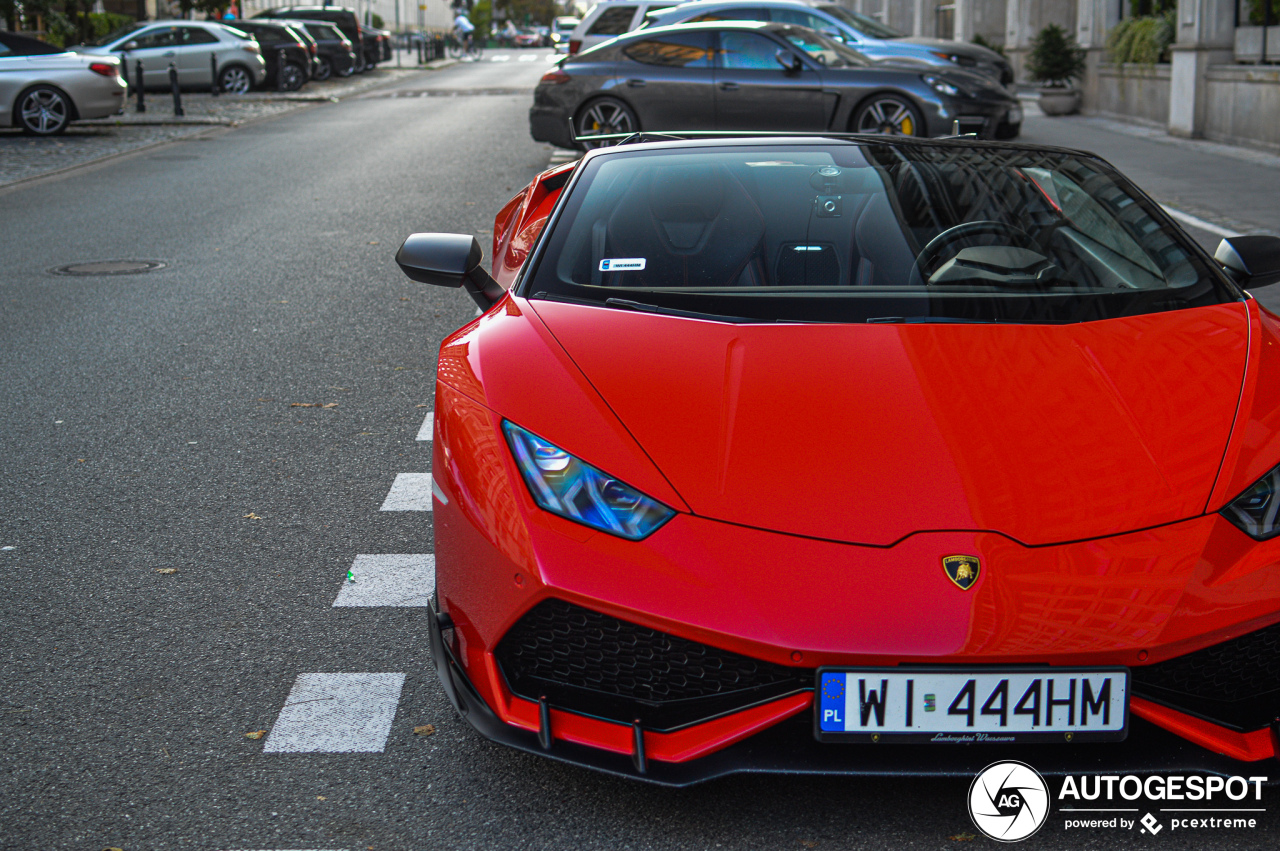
749	75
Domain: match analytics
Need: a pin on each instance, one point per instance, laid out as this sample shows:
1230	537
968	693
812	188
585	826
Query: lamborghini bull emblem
962	570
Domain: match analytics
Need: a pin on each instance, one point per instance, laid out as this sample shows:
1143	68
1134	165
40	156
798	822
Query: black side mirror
1251	261
788	60
449	260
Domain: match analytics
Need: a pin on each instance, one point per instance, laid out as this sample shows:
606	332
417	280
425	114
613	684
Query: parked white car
611	18
188	45
44	88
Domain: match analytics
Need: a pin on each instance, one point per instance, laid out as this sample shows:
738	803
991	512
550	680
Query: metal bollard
280	69
142	107
177	92
124	71
213	68
421	45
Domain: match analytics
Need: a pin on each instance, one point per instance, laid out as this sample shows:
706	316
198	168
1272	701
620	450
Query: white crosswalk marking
427	432
390	580
337	713
552	58
527	58
409	492
502	58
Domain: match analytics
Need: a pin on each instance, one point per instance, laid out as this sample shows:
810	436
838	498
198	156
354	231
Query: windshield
120	33
864	231
829	52
867	26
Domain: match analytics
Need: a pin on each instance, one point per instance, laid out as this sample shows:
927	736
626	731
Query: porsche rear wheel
605	115
890	115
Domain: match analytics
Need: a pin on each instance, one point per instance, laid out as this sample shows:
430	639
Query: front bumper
789	747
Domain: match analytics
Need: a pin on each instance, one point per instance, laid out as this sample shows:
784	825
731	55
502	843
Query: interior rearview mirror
788	60
1252	261
449	260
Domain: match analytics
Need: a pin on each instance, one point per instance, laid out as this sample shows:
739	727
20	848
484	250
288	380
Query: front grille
1235	683
595	664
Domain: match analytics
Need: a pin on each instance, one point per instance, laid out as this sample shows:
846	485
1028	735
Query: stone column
1094	19
1206	36
922	18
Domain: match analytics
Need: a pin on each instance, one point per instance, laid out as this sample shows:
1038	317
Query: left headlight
940	86
567	486
1255	510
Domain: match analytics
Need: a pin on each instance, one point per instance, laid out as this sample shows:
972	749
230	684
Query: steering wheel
931	252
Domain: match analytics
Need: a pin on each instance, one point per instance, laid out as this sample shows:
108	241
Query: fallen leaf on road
80	460
424	730
422	406
304	404
266	400
321	798
111	849
252	516
402	298
373	242
808	843
166	571
330	405
963	837
255	735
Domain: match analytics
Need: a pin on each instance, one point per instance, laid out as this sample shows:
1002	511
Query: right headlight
940	86
1255	511
566	485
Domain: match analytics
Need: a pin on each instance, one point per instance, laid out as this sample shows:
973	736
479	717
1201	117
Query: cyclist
463	27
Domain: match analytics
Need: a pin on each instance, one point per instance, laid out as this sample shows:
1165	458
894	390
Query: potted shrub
1056	62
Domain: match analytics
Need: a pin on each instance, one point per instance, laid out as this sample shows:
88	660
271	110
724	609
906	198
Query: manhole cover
110	267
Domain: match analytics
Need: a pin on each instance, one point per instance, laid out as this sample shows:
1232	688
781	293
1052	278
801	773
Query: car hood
870	433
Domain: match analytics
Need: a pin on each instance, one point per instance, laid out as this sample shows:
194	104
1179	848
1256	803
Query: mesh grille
594	663
1236	683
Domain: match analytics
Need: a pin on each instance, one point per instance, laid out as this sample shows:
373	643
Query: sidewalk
26	157
1233	190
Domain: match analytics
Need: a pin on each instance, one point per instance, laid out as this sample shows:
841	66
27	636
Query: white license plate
988	705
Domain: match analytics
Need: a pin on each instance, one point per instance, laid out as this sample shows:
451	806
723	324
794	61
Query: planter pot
1058	101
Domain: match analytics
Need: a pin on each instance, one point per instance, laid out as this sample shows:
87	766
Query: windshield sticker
622	264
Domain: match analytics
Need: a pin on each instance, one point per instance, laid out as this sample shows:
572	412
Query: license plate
1014	115
990	705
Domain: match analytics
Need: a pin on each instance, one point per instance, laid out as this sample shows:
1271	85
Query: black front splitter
790	748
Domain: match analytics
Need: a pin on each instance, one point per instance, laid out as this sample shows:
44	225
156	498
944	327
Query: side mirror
1251	261
788	60
449	260
129	45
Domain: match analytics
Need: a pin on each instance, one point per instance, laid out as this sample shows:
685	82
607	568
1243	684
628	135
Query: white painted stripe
1193	221
337	713
502	58
427	432
553	57
409	492
527	58
390	580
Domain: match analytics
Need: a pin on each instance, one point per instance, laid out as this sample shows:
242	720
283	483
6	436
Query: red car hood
868	433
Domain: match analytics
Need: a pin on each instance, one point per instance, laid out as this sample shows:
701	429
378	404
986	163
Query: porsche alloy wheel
44	111
888	115
606	115
234	80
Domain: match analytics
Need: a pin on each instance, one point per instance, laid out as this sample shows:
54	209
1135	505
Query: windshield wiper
673	311
927	320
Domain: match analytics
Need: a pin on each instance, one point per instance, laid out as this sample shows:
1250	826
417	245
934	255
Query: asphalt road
148	424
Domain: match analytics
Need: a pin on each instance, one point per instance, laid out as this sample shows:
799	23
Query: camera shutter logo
1008	801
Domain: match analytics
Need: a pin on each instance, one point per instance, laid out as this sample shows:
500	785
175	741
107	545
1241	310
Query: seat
694	226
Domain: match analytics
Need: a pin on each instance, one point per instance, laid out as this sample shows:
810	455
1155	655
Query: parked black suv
345	19
274	36
336	55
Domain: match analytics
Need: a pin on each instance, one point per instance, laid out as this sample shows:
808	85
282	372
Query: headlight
565	485
941	86
1254	511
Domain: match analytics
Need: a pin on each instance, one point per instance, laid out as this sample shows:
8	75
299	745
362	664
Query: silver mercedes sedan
44	88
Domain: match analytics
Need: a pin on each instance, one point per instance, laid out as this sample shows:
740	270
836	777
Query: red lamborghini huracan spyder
856	455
